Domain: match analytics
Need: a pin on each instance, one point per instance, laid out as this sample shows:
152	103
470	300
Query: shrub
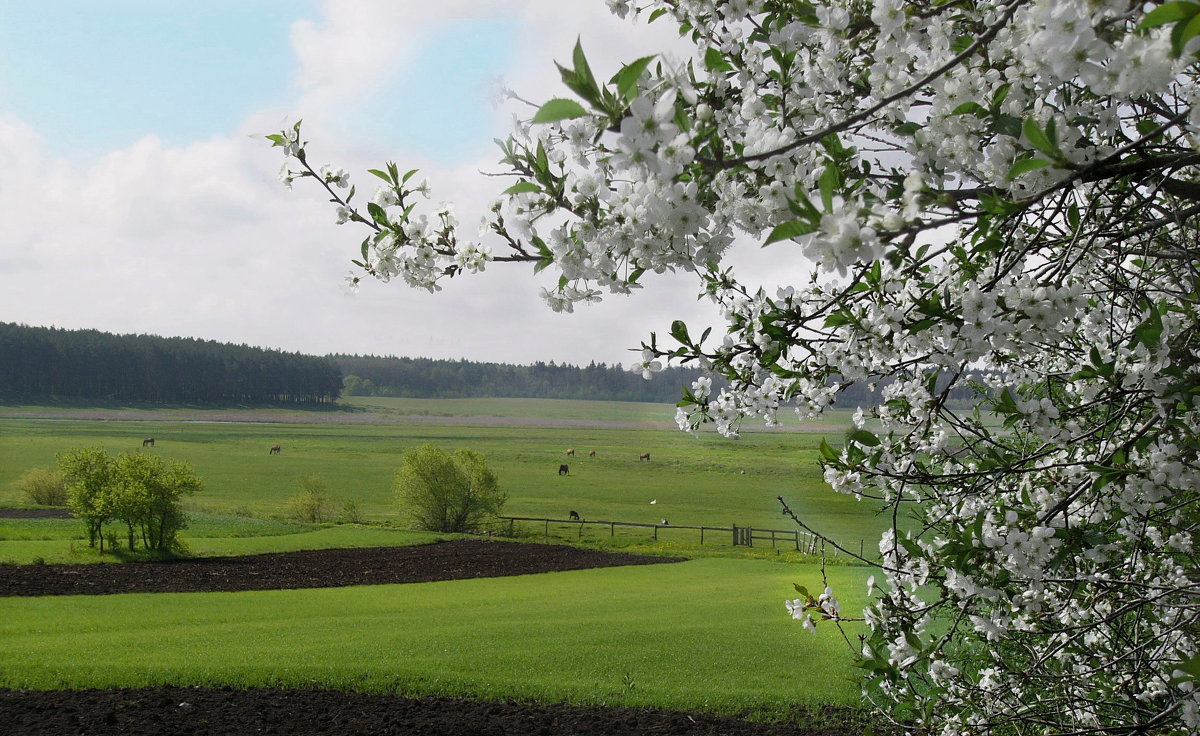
313	504
441	492
43	486
144	491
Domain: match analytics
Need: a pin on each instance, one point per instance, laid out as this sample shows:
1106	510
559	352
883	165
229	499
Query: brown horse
148	442
591	453
275	450
574	516
570	452
564	470
644	456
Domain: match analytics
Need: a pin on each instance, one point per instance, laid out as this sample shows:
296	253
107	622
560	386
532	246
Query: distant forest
45	362
455	379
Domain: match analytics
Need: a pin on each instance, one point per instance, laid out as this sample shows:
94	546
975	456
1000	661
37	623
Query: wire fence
738	536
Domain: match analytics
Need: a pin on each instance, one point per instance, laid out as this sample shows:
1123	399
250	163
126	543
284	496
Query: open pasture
688	481
709	635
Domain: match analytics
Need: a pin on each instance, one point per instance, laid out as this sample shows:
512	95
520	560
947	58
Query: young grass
705	481
24	541
709	635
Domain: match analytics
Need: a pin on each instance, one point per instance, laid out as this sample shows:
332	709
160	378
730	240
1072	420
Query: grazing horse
570	452
148	442
564	470
275	449
591	453
574	516
643	456
664	522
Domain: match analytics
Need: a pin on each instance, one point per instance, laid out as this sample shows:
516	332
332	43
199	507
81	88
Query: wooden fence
739	536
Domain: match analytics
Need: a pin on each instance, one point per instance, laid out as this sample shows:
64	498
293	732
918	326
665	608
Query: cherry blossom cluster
999	201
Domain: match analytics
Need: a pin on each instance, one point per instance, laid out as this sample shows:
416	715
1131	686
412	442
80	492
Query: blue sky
94	76
97	76
138	195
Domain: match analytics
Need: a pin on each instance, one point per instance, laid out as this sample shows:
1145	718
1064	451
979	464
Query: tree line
43	362
89	364
426	378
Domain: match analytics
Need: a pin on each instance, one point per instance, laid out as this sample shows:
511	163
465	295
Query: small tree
89	475
144	491
445	492
43	486
147	495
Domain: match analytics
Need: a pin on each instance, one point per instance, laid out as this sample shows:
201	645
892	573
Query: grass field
710	634
694	481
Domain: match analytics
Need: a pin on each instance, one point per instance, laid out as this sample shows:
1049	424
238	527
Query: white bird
654	502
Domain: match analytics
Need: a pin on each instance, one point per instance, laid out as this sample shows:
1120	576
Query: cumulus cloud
202	240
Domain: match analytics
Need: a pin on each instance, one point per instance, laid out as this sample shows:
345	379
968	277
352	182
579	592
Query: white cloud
202	240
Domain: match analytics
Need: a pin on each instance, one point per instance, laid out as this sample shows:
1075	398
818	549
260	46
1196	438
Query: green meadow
705	480
709	634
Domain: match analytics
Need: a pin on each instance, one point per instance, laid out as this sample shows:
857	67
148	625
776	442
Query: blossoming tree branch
995	194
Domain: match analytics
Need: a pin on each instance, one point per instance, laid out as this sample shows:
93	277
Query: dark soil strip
176	710
329	568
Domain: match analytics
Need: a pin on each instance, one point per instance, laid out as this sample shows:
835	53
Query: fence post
547	528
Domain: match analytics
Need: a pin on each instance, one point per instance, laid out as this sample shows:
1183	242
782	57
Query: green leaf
522	187
788	230
715	61
1191	667
1034	134
839	319
1024	166
920	325
1172	12
828	452
1008	125
865	438
377	213
972	108
381	174
559	109
907	129
582	77
627	79
679	331
1184	31
829	182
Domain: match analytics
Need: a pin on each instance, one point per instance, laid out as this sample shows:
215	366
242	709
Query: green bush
144	491
314	504
43	486
441	492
